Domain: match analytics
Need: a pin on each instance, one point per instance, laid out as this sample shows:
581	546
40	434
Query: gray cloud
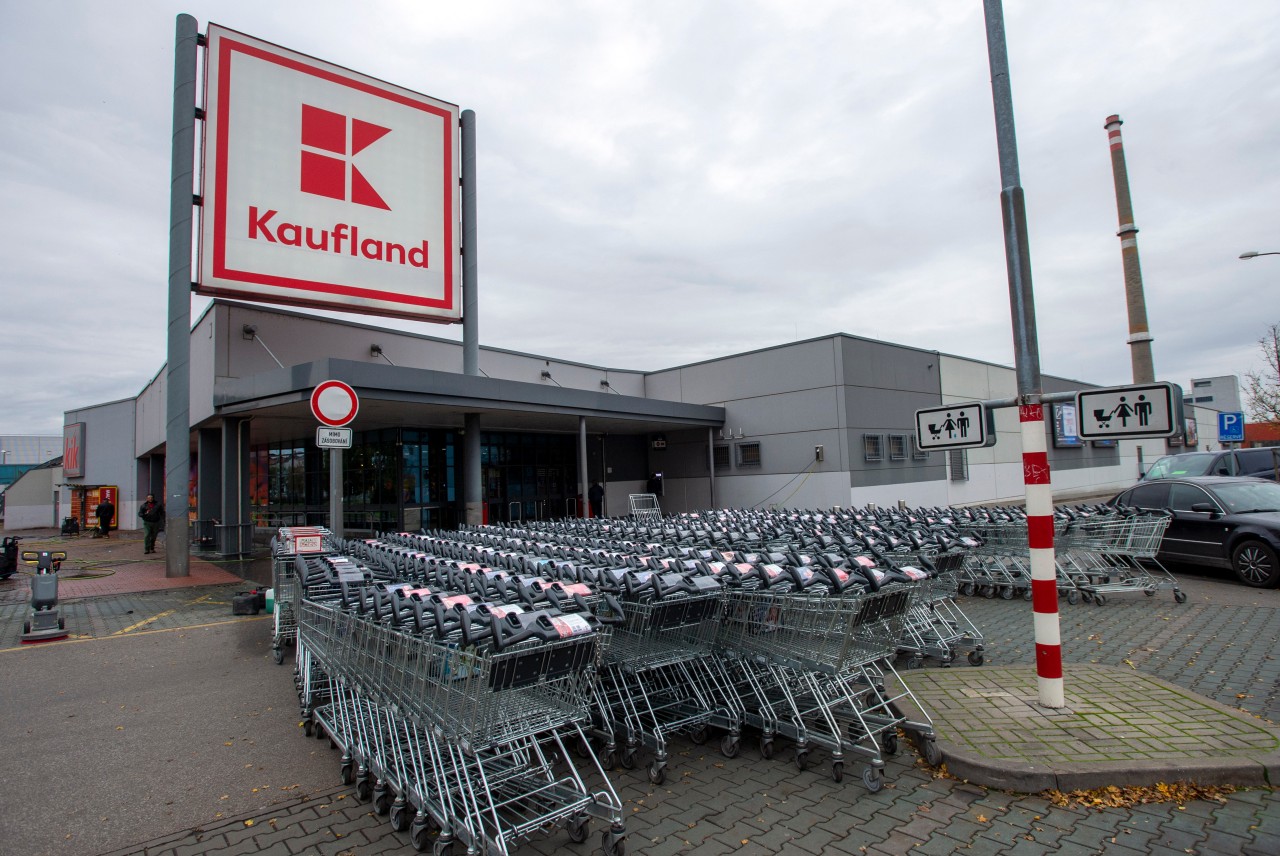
666	182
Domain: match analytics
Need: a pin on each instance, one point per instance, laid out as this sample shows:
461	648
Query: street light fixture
1254	253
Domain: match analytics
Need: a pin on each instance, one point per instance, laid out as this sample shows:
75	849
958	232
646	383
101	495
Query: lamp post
1253	254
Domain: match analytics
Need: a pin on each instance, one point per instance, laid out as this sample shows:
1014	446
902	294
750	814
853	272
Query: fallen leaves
1114	796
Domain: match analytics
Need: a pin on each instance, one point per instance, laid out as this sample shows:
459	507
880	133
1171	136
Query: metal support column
178	371
472	487
1035	461
584	480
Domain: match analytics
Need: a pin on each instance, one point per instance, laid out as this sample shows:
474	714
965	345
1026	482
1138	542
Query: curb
1252	769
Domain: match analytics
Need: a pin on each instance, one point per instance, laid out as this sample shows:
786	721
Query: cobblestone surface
1222	648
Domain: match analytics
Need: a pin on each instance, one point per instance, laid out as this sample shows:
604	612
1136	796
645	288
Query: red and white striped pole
1044	576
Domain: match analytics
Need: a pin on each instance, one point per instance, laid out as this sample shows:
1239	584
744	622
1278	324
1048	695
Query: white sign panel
1146	410
959	426
333	438
326	188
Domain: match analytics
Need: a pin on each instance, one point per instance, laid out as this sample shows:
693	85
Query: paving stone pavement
1222	648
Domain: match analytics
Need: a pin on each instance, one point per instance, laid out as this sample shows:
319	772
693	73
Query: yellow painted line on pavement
73	639
144	622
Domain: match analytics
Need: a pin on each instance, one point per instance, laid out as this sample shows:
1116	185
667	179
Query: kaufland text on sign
324	187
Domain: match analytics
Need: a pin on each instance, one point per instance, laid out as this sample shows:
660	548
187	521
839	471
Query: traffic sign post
957	426
1144	410
334	404
1231	427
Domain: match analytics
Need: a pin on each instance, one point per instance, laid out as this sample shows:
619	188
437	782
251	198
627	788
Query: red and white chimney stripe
1112	127
1044	577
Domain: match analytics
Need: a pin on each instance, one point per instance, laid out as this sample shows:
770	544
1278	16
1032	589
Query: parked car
1259	463
1219	521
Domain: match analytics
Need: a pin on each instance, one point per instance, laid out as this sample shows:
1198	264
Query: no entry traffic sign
334	403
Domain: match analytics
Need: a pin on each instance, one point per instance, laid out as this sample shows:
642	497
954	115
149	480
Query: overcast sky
664	182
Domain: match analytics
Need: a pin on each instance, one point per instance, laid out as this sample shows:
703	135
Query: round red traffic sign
334	403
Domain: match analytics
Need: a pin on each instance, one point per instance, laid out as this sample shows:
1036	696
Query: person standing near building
596	497
152	514
104	512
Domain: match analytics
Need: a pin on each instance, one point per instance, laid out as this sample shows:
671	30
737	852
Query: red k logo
326	175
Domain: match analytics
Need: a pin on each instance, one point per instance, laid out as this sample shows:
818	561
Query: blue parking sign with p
1231	427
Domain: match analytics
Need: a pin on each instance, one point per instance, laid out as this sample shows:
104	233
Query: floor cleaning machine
44	624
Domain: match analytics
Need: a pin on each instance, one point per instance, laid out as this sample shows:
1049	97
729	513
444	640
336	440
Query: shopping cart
659	677
818	673
287	544
1114	552
935	626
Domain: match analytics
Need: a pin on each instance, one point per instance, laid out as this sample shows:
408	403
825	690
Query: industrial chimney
1139	335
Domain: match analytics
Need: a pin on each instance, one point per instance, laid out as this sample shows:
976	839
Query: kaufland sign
325	188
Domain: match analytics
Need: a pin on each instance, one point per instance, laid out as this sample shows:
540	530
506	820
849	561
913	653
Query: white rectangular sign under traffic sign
956	426
1143	410
333	438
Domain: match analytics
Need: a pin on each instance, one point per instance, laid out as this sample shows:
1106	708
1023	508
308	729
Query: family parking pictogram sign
1149	410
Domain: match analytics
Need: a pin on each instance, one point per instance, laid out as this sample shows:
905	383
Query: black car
1218	521
1261	463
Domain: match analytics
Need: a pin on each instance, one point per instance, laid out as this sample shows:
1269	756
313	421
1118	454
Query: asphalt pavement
165	727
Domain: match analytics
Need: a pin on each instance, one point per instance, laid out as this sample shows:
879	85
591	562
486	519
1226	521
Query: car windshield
1177	466
1248	496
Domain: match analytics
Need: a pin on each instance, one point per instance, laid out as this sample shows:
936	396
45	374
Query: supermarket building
817	423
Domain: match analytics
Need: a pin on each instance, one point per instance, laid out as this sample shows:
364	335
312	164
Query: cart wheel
578	830
889	743
766	747
1086	596
1180	596
966	589
915	662
278	654
949	657
873	778
419	834
1100	599
347	772
399	815
730	746
932	754
381	799
1149	592
1073	597
582	748
442	848
629	758
1026	594
26	627
976	658
308	727
1006	592
802	758
609	759
989	592
837	771
699	735
612	844
657	773
364	789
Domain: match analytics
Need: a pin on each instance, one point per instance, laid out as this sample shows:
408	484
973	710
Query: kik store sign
326	188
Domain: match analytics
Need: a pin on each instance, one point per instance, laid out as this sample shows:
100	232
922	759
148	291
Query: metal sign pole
177	449
1035	460
335	492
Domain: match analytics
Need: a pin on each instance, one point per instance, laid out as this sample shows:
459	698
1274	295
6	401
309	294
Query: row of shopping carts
678	646
1099	551
455	717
